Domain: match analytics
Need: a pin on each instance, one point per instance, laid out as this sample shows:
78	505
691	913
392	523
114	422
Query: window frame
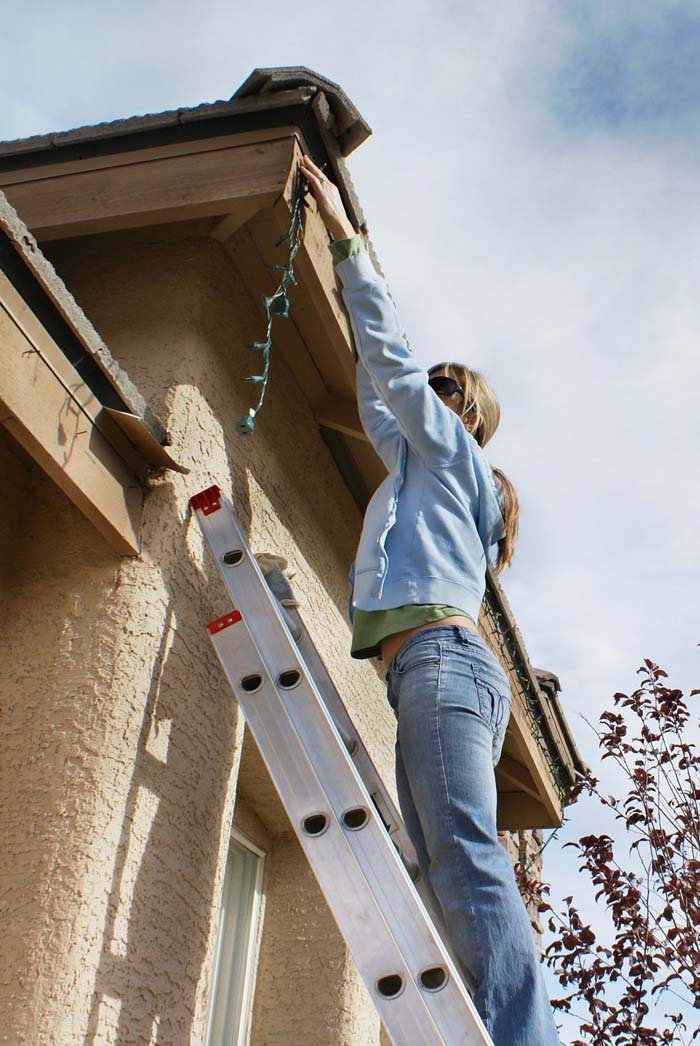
251	945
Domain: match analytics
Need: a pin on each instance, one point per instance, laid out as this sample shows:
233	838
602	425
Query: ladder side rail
346	794
386	876
361	757
368	851
280	587
342	882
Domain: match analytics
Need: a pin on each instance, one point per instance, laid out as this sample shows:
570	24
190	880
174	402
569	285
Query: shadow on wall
159	912
177	316
159	915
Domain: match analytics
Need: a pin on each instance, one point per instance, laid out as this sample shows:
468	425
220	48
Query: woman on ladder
418	582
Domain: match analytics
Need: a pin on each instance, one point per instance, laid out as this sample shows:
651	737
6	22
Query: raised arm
434	431
377	420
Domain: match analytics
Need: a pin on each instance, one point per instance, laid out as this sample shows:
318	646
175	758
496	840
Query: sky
531	190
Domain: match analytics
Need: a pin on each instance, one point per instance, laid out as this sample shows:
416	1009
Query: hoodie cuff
342	249
356	271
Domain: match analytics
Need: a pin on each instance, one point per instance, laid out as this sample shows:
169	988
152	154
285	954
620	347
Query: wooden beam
82	395
50	422
130	157
517	810
169	188
341	414
515	773
317	306
239	213
258	280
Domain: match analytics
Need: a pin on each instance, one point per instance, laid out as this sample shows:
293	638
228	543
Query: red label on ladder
223	622
208	500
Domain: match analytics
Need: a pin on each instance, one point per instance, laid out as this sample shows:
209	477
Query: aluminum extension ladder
343	816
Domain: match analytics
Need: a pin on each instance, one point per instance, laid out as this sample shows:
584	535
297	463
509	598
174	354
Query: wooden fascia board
169	183
340	413
316	302
550	721
521	742
517	810
214	119
242	248
45	405
121	157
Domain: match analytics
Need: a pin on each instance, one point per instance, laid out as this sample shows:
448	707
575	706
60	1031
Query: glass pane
228	1005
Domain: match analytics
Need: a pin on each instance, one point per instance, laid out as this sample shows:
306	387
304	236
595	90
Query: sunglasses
445	386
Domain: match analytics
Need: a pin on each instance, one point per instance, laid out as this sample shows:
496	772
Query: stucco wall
122	745
121	737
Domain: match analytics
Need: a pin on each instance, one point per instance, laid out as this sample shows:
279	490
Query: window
234	958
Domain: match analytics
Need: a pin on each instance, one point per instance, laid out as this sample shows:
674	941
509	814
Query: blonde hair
510	509
480	401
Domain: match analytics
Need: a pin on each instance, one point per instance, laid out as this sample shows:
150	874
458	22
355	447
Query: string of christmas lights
277	304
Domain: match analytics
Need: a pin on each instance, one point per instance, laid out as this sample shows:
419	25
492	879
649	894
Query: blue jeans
451	699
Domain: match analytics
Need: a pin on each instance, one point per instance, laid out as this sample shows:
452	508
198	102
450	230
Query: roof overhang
232	167
64	398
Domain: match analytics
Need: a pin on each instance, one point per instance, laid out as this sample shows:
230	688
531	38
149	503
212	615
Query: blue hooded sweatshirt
431	524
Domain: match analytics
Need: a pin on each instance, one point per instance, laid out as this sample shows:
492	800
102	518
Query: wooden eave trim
37	282
341	414
162	184
317	309
132	157
558	746
529	771
175	126
49	410
243	178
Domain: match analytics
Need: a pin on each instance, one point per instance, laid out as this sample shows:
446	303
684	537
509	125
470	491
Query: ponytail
510	509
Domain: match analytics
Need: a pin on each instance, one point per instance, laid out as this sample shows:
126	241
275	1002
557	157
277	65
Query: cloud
531	189
632	70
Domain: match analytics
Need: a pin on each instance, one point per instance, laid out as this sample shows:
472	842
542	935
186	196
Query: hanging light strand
277	304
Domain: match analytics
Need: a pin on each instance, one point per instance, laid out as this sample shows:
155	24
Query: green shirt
369	627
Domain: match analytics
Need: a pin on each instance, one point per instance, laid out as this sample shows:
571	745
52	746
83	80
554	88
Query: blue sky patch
632	70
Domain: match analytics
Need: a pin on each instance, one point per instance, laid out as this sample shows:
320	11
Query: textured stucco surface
122	746
121	739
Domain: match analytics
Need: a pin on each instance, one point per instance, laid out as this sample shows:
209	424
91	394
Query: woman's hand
330	205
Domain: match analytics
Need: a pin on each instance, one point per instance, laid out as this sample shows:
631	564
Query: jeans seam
420	636
453	837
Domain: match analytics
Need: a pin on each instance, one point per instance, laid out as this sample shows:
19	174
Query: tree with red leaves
625	986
